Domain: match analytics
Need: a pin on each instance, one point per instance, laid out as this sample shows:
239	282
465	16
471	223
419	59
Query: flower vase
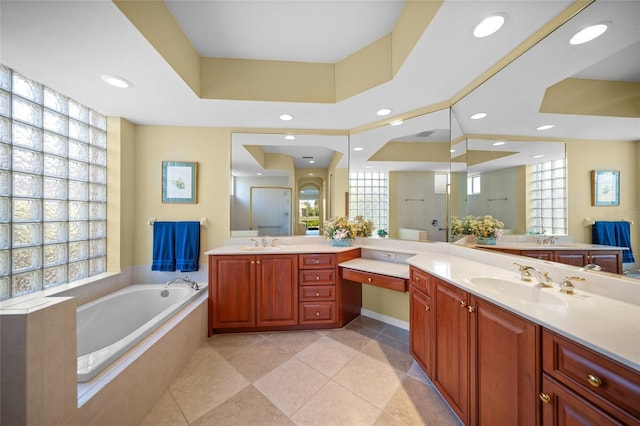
487	241
346	242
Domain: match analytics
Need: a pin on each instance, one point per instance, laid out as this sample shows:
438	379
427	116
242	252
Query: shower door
270	209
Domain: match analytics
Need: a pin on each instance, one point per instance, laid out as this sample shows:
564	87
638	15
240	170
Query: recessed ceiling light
290	137
358	148
488	26
312	161
537	156
452	150
310	174
546	127
259	174
588	34
116	81
286	117
478	115
396	122
384	111
497	143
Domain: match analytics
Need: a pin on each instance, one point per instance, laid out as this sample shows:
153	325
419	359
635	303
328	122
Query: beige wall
211	148
584	156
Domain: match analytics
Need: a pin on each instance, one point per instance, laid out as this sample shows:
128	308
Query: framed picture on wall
179	182
605	188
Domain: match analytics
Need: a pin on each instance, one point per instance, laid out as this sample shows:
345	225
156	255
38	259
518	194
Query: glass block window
549	198
369	197
53	186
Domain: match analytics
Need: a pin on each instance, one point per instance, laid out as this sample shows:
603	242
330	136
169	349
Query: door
270	209
277	290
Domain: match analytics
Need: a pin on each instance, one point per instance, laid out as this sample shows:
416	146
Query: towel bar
588	221
204	222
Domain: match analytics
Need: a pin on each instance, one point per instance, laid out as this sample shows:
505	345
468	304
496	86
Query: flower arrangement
342	227
480	226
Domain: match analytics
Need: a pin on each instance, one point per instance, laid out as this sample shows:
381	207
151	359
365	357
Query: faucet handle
525	275
566	286
255	242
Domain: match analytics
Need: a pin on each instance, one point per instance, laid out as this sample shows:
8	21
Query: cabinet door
421	338
233	296
610	261
538	254
563	407
504	366
451	372
277	290
571	257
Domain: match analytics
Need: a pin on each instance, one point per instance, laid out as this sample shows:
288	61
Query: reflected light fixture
383	111
286	117
545	127
396	122
312	161
497	143
478	115
116	81
452	150
290	137
259	174
358	148
488	26
537	156
587	34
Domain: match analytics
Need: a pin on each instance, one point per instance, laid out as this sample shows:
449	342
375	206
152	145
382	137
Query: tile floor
361	374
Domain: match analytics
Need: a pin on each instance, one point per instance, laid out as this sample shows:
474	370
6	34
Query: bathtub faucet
186	280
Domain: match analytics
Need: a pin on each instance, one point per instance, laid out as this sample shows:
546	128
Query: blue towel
614	234
164	247
187	246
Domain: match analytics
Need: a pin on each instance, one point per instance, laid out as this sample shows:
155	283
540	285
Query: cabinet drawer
421	280
316	261
319	293
317	276
317	312
590	374
384	281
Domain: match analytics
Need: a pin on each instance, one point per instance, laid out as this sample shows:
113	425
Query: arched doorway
310	209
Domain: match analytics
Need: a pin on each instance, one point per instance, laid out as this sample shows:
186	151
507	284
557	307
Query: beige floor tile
294	341
415	403
390	351
247	407
357	337
291	385
334	405
370	379
327	356
165	413
396	333
256	360
229	344
206	382
368	322
416	372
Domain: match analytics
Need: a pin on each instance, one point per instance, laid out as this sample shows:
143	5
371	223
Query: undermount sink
524	293
253	248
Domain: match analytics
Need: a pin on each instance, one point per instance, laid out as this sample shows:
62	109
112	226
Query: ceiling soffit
283	81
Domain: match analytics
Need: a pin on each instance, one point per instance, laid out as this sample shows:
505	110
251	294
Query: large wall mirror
286	184
555	96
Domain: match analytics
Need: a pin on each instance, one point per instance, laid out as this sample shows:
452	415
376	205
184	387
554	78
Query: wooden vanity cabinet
582	386
486	359
254	291
609	260
422	319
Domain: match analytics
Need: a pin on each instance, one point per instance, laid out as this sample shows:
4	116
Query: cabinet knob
544	397
317	313
471	309
463	303
317	278
317	294
369	279
426	307
253	262
594	380
416	278
258	262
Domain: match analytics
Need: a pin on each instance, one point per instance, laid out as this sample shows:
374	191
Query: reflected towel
187	246
614	234
164	247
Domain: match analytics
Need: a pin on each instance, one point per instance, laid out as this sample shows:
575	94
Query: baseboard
385	319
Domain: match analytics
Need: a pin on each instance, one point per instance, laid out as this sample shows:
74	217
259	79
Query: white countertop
603	314
559	246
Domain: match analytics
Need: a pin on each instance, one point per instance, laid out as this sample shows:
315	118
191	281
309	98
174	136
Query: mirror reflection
286	184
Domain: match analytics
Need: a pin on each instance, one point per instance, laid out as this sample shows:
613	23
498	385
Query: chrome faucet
526	272
255	242
186	280
567	286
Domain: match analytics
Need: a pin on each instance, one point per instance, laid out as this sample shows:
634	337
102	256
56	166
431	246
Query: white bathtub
109	326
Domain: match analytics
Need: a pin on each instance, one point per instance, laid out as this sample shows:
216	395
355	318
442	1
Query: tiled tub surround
38	362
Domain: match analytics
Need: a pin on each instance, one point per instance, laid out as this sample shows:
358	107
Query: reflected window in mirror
369	197
548	198
473	185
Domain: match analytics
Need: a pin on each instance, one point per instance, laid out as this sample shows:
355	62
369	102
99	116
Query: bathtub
111	325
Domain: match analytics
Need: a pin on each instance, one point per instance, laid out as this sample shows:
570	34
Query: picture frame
179	182
605	188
